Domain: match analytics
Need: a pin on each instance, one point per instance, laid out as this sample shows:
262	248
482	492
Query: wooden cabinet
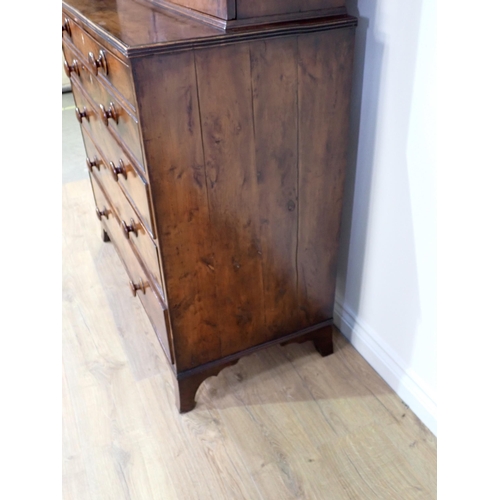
217	161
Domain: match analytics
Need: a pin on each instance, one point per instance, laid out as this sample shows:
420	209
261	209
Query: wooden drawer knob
129	229
116	171
66	27
135	287
109	113
102	213
100	62
95	163
80	115
73	68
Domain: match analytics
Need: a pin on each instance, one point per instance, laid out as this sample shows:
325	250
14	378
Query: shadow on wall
377	274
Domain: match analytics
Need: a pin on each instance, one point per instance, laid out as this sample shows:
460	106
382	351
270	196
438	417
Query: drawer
134	186
131	226
115	71
139	283
122	129
122	125
96	87
138	232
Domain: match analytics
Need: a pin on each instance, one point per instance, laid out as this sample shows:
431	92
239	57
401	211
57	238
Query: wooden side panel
258	8
223	9
325	68
246	150
168	104
275	103
224	86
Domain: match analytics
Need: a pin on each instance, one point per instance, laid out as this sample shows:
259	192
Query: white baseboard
388	365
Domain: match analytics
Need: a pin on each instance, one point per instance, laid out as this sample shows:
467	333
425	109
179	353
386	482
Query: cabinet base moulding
188	382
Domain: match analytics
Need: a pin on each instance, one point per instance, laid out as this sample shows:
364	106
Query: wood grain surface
224	9
324	89
246	147
283	423
259	8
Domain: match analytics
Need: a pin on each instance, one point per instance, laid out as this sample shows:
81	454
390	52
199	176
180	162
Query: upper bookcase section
230	14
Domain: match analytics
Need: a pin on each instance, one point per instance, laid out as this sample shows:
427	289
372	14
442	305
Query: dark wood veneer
217	161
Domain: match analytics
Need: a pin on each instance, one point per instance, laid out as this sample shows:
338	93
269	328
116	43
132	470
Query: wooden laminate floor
280	424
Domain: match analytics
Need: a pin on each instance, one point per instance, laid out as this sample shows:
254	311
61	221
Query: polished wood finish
114	125
105	68
128	176
224	9
282	423
136	270
129	29
223	175
126	215
249	263
97	87
262	8
234	14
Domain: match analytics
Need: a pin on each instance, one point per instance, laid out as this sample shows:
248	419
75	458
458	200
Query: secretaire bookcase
216	139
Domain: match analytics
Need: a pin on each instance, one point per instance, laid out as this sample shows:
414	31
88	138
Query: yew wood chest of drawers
216	140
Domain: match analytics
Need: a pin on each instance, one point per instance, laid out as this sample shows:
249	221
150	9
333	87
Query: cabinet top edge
133	29
241	36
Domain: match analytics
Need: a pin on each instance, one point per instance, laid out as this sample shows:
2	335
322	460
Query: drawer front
115	71
133	185
138	232
89	115
152	303
122	125
121	131
131	226
96	87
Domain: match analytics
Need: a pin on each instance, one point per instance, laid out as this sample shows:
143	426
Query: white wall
386	296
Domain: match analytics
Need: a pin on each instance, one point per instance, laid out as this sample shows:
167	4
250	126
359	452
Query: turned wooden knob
120	170
93	163
100	62
134	287
127	229
101	213
80	115
66	27
73	68
109	113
